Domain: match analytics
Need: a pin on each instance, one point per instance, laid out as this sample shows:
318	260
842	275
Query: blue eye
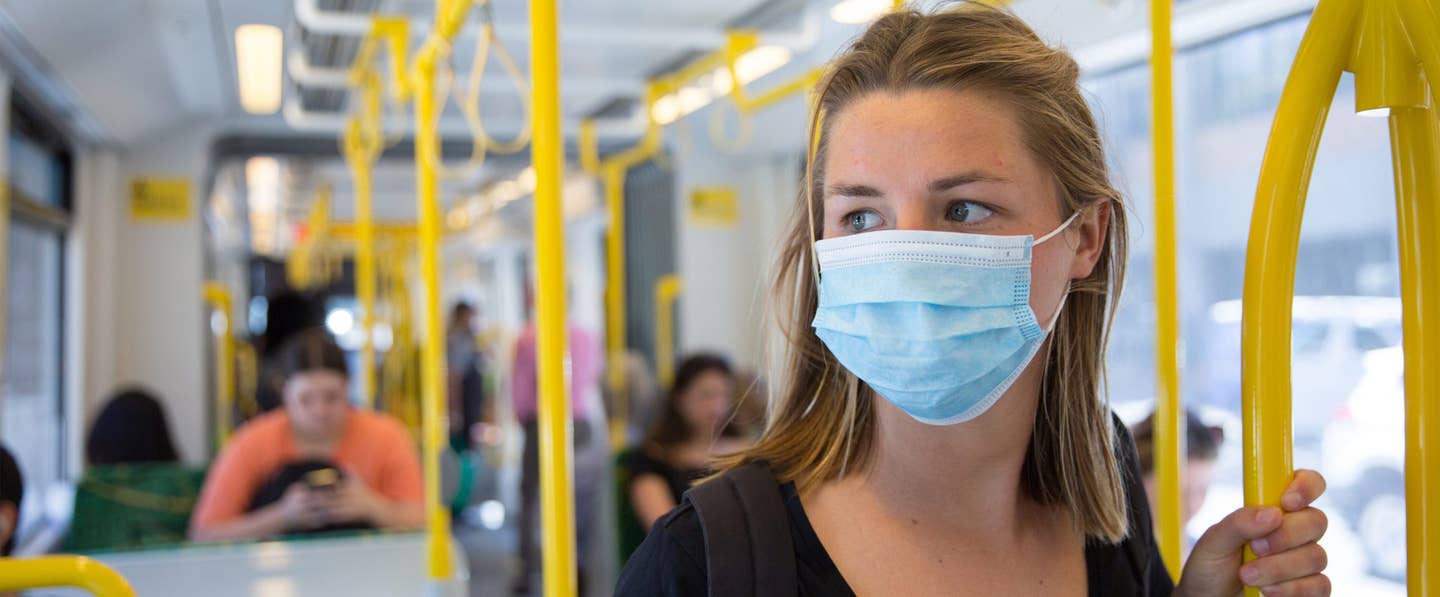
968	212
861	221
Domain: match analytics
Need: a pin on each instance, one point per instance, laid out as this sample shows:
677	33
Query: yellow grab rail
220	300
1168	449
1387	44
449	16
547	153
667	288
19	574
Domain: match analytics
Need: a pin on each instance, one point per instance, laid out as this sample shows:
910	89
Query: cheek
1049	277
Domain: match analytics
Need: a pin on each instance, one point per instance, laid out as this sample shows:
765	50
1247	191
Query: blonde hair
822	419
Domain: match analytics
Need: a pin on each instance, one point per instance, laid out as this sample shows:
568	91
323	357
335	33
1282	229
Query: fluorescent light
759	62
666	109
1375	113
527	179
257	62
854	12
340	321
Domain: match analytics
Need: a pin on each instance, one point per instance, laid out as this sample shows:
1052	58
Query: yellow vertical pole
546	152
1273	247
615	333
1415	137
432	358
219	299
666	289
1169	450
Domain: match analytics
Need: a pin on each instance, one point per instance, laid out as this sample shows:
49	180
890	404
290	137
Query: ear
1088	236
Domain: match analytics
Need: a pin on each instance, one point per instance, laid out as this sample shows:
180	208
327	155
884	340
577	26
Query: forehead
927	133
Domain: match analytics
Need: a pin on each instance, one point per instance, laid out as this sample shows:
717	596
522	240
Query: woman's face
317	402
706	403
956	162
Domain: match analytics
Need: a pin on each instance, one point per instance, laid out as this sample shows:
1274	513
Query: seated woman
315	464
131	428
693	429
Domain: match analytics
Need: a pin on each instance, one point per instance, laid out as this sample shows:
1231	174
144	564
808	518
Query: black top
671	561
640	462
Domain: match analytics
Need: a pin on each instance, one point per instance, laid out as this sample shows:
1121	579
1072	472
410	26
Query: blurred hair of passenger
1202	447
316	464
12	493
287	314
695	426
131	428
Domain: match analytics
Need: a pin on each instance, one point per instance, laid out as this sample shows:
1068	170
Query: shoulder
671	560
376	425
265	430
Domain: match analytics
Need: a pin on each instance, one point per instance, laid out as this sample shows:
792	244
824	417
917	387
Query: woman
957	222
315	464
694	428
132	428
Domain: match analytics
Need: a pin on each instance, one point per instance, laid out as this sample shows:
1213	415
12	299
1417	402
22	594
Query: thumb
1226	538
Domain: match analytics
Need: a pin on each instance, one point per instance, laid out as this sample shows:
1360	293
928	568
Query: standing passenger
583	364
464	366
944	290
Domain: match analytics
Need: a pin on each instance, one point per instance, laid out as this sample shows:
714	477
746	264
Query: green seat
629	532
133	506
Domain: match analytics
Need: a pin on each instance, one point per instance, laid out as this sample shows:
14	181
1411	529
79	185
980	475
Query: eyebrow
937	186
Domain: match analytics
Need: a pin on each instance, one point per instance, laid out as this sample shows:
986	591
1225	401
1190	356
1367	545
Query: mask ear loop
1062	228
1055	317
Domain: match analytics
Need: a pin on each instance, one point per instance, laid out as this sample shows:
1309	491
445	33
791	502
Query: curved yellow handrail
19	574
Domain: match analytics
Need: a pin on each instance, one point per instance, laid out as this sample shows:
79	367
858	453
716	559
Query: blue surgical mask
938	323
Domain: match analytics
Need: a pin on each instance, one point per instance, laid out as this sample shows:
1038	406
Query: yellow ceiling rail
221	301
20	574
1393	47
1169	447
667	289
547	153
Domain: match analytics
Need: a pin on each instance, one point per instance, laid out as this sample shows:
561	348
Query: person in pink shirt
317	463
583	368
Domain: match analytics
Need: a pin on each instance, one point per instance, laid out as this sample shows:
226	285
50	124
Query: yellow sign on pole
155	198
714	206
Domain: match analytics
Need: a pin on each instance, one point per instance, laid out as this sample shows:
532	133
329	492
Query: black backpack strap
748	550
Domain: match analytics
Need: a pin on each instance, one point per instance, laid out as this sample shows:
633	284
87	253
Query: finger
1234	531
1311	586
1285	566
1296	529
1307	487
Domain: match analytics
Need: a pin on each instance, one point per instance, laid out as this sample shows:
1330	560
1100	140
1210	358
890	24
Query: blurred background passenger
1202	448
12	492
287	313
695	427
464	366
131	428
316	464
583	372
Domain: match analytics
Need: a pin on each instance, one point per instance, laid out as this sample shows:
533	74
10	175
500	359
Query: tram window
32	423
1345	336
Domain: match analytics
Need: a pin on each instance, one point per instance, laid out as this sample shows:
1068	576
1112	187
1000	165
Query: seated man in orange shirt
315	464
